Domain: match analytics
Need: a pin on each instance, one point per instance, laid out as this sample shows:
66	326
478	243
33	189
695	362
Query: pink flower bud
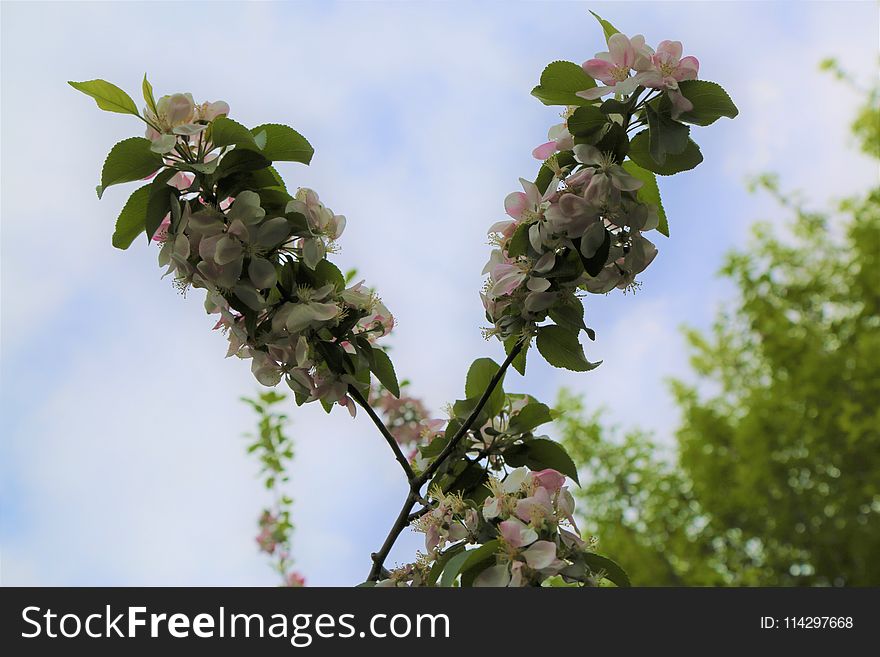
549	479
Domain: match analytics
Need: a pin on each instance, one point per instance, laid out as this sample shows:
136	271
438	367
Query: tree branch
402	521
392	443
468	423
405	516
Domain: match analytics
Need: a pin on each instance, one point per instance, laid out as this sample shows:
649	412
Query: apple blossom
613	67
224	221
668	69
560	140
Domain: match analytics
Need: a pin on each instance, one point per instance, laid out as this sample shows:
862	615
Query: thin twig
468	423
406	516
402	521
398	454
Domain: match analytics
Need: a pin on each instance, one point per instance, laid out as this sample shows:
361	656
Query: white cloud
122	461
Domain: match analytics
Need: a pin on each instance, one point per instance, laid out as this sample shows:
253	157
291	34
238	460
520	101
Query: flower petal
544	151
540	555
515	203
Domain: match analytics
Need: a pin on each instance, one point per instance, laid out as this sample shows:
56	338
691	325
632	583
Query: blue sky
122	460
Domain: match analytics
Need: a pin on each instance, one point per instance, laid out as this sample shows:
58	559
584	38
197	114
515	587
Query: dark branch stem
392	443
406	515
402	521
468	423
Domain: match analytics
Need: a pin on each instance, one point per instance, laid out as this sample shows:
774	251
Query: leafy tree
776	479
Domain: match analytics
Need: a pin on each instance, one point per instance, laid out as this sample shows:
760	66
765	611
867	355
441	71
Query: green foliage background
776	476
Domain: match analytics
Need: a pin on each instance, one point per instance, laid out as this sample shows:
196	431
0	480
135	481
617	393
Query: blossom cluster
582	228
588	220
630	63
274	540
177	122
407	418
279	301
627	65
526	521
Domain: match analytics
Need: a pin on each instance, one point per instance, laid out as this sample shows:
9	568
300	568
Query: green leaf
594	264
613	572
545	174
560	81
639	152
273	172
441	561
607	27
108	96
149	99
439	442
568	267
462	408
326	272
240	160
453	567
478	378
473	477
226	132
710	102
540	454
465	560
569	314
131	159
159	203
284	144
649	192
130	222
614	106
519	241
519	361
665	136
614	140
586	120
532	415
560	347
383	368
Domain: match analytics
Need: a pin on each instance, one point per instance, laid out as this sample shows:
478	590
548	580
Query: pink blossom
161	234
545	150
494	576
182	180
533	509
266	540
516	534
540	555
295	580
549	479
505	228
565	506
348	402
507	277
523	205
668	69
613	67
560	140
210	111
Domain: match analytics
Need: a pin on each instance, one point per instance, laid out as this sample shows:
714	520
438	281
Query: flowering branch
496	511
405	517
392	442
469	422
